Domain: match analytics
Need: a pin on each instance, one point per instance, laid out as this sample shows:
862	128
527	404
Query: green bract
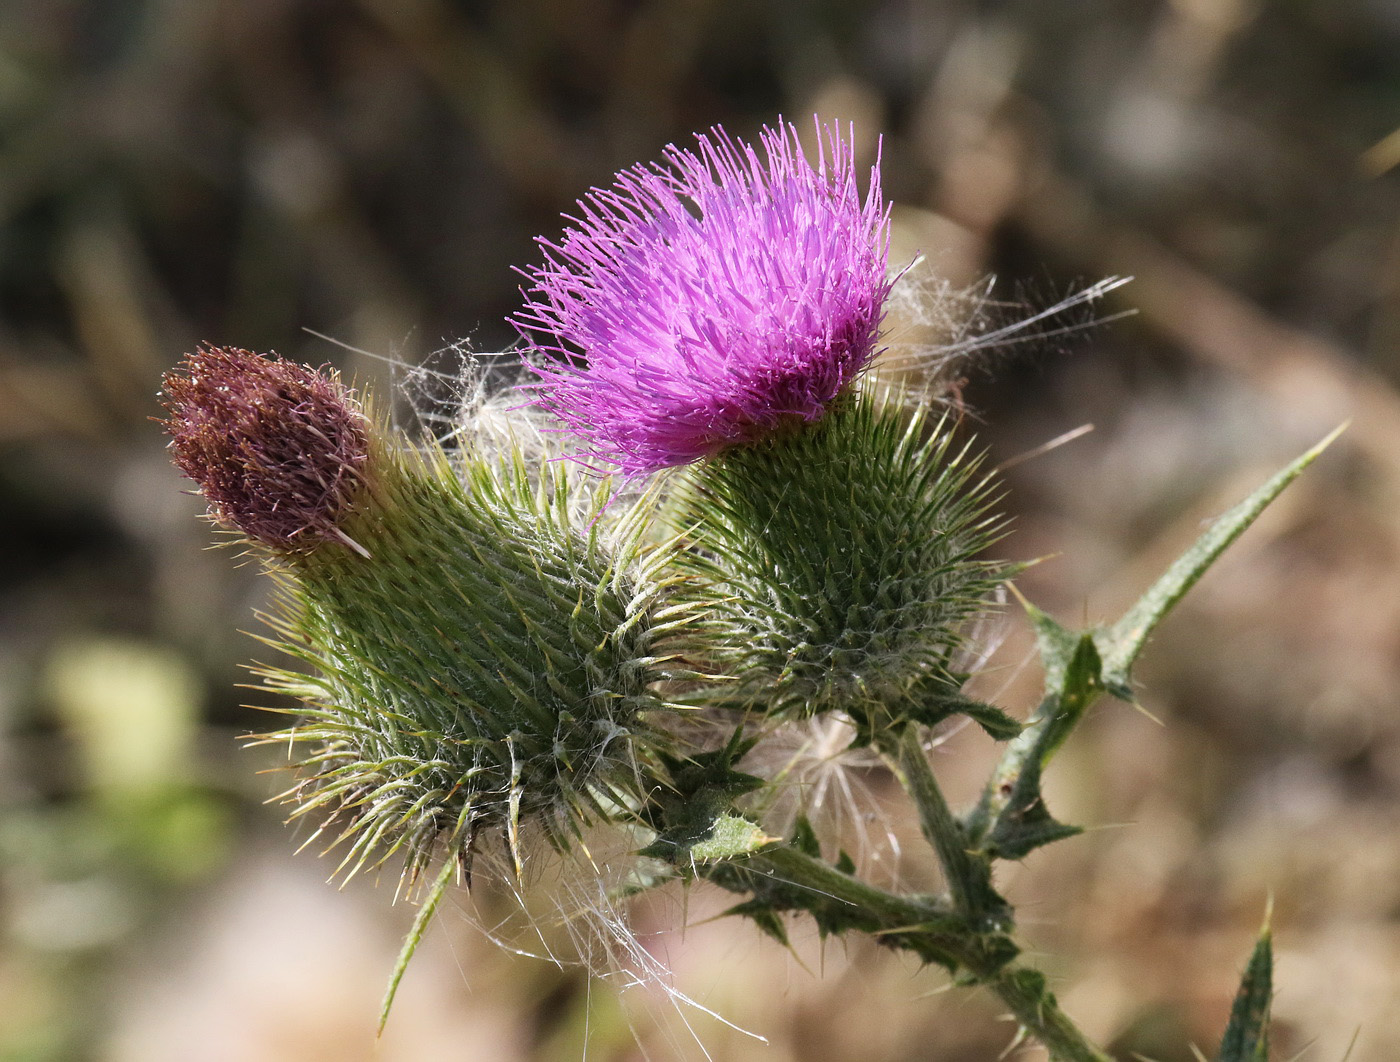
487	660
839	562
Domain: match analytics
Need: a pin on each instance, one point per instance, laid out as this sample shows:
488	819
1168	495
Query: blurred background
243	171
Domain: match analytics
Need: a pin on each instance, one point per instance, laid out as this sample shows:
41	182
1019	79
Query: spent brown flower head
276	448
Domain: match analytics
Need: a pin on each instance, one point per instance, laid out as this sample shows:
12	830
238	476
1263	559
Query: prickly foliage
1247	1036
1011	819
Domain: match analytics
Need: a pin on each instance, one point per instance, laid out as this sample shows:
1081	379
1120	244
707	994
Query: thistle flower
698	314
479	655
706	301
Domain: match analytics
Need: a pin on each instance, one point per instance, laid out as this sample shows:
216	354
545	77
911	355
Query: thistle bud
843	563
480	658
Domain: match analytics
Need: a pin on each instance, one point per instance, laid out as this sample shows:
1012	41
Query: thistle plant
489	642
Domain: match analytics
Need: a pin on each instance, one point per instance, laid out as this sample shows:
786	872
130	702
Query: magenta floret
276	448
705	301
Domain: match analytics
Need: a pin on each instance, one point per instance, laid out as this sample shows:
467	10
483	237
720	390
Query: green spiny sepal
840	561
482	657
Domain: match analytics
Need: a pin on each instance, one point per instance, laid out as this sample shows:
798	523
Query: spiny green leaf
1121	643
989	717
1080	684
1011	819
1025	824
764	917
1247	1035
1057	645
702	791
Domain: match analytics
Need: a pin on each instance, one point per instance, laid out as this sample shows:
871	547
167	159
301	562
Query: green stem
1024	991
787	879
968	876
1073	682
887	912
1030	743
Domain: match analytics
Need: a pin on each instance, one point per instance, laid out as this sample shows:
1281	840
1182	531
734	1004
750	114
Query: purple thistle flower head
709	300
276	448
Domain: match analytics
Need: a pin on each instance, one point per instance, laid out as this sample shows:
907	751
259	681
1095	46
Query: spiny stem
1024	991
781	878
912	923
1073	682
890	910
969	878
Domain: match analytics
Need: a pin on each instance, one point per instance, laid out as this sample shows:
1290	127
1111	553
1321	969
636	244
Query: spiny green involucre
840	562
480	653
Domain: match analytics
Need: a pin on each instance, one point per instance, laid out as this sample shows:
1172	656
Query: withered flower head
275	447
